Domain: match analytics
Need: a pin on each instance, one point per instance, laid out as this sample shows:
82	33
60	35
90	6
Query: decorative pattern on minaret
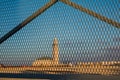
55	51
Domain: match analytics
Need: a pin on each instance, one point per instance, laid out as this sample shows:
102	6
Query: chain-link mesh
81	37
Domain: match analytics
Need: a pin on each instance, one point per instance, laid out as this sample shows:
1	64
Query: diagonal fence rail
98	16
26	21
48	5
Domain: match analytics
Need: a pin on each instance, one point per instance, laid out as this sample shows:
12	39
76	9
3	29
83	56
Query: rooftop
44	58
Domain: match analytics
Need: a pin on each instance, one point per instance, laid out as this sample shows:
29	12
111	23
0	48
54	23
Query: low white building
48	61
44	61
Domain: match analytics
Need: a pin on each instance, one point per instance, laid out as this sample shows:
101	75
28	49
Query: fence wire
81	37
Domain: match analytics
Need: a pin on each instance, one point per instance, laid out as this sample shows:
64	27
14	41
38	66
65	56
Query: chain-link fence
87	30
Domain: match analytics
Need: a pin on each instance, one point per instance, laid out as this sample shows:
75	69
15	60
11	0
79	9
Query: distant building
44	61
1	65
55	51
48	61
110	62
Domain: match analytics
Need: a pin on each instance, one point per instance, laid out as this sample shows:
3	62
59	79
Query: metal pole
26	21
98	16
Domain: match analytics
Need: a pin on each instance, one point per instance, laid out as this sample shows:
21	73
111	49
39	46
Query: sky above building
81	37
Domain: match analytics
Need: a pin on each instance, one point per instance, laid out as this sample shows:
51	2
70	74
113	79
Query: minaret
55	51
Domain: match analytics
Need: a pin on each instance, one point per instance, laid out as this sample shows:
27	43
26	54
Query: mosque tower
55	51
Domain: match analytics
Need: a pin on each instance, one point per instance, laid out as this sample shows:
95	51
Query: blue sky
81	36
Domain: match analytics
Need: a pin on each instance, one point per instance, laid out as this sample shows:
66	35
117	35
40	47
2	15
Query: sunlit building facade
47	61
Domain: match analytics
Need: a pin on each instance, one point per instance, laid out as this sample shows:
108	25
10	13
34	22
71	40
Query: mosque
48	61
